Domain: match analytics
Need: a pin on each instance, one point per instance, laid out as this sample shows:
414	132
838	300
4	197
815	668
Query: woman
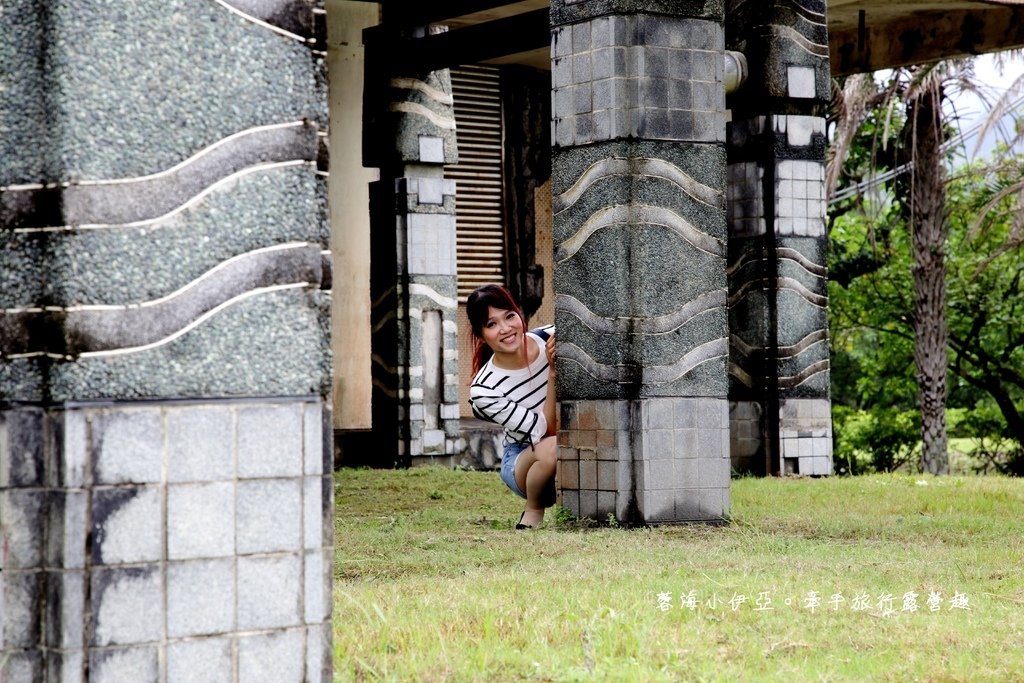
514	386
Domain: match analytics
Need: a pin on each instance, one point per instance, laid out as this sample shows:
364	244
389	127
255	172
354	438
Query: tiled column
410	136
638	176
779	360
165	451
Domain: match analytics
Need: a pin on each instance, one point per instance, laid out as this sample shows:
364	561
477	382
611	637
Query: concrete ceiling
864	35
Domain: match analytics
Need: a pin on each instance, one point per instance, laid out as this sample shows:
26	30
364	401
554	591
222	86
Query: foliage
871	306
870	318
444	590
993	449
886	435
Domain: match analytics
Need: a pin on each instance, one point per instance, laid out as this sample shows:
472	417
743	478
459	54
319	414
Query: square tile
200	444
200	597
711	504
657	444
660	475
431	149
127	524
200	520
607	475
588	504
268	592
659	506
687	472
67	666
315	448
270	441
66	529
685	443
21	448
204	660
127	606
24	513
123	664
69	468
65	610
571	501
317	596
569	474
588	474
127	446
318	654
21	592
800	82
688	505
23	666
268	516
272	658
312	513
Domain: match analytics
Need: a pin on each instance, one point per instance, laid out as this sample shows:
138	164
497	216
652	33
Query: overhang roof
864	35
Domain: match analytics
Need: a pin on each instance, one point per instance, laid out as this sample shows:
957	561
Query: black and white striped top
515	398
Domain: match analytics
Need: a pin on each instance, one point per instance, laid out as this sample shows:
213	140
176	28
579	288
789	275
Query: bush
880	440
994	449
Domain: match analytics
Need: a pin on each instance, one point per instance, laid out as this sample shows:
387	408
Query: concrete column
165	476
410	136
638	184
779	360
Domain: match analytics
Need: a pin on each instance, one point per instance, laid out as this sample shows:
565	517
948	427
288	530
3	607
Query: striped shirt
515	399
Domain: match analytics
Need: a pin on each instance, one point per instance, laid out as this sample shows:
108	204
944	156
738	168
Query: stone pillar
410	136
165	470
638	183
779	359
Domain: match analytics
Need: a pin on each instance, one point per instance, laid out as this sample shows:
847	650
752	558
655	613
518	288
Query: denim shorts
508	466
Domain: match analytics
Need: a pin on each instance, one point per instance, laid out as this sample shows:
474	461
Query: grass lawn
432	584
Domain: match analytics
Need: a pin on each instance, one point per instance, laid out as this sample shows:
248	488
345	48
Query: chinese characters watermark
884	604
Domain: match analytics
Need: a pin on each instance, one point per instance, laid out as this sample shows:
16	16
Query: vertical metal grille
479	221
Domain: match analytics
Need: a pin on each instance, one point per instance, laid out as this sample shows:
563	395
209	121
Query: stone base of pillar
805	436
746	437
645	461
161	540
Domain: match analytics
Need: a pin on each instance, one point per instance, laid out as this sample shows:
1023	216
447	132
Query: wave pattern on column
640	252
801	286
293	19
66	330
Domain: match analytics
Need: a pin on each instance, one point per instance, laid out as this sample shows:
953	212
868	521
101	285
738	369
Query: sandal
520	525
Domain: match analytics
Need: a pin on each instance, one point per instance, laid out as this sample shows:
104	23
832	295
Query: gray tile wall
655	459
646	76
172	542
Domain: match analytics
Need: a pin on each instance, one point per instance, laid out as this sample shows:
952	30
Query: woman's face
503	331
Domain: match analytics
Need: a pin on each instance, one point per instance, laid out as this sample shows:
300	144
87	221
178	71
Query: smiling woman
514	386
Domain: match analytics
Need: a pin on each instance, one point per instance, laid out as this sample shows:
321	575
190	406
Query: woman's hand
549	349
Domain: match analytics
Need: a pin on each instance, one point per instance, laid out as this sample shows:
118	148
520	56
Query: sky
973	112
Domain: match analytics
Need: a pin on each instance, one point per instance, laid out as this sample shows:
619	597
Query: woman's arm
550	407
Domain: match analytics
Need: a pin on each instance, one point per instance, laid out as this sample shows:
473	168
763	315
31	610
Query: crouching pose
514	386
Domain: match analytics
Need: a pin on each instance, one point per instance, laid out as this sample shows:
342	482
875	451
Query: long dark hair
477	304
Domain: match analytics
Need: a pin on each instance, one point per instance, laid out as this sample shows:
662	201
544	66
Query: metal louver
479	220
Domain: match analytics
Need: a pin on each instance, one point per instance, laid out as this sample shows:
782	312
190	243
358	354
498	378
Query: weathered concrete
638	185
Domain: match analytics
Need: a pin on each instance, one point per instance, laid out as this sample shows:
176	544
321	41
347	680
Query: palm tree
922	139
920	185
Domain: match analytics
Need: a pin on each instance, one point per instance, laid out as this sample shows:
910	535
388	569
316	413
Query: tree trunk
928	232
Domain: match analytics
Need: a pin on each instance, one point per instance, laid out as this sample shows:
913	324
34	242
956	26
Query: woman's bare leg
535	475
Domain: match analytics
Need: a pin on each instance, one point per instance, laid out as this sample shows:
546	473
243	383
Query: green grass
432	584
